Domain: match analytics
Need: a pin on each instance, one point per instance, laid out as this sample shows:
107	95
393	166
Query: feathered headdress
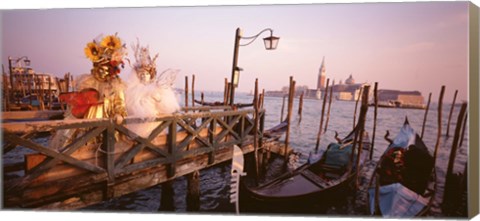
107	57
143	61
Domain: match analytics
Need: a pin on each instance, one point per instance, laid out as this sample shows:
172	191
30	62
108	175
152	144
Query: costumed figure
149	96
101	93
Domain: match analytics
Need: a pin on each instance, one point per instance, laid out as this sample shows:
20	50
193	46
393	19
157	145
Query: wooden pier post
255	129
50	98
262	99
426	113
291	94
186	91
193	91
451	111
225	92
201	97
283	107
321	117
166	199
300	107
193	194
359	136
439	127
356	105
329	105
375	98
463	130
450	184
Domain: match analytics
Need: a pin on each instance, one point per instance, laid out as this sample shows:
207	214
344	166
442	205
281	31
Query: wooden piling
321	117
255	129
262	99
193	194
7	95
450	187
201	97
451	111
186	91
300	106
50	98
166	199
283	107
193	91
229	88
361	121
456	139
426	113
329	105
291	94
356	105
439	121
375	111
463	130
225	92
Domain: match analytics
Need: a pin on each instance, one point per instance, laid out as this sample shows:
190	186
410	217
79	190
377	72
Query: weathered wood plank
68	159
22	115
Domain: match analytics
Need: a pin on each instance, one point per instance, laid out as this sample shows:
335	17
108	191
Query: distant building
321	76
348	91
396	98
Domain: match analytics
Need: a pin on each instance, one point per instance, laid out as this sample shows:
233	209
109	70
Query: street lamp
270	44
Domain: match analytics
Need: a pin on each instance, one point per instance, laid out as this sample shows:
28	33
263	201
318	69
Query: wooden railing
104	152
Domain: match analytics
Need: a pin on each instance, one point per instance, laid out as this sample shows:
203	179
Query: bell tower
321	76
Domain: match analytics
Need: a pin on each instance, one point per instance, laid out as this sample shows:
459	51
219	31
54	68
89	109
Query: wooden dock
107	160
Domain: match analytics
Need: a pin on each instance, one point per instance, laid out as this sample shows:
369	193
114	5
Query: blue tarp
397	200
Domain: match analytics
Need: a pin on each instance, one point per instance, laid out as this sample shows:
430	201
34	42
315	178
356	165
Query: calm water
214	181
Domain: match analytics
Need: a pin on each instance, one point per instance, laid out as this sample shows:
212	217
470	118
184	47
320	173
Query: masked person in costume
149	96
101	93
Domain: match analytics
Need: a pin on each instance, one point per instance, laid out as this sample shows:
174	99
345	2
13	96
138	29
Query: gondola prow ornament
236	172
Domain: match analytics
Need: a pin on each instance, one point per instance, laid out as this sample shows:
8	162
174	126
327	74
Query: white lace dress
150	100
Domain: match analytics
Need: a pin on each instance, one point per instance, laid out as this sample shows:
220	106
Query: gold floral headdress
143	61
107	57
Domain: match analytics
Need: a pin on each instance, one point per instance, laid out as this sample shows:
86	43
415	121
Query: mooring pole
186	91
291	94
329	104
166	198
361	121
193	194
356	105
225	93
283	107
321	117
439	127
300	107
426	113
451	111
375	98
262	99
255	129
463	129
449	187
193	91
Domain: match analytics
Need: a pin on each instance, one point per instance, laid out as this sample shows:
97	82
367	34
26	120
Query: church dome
350	80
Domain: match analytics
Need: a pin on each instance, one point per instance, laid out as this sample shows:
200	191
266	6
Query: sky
404	46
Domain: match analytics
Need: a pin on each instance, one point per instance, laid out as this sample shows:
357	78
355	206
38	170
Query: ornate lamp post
270	44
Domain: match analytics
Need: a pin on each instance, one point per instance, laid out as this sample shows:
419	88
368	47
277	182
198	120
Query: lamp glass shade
271	42
27	62
236	77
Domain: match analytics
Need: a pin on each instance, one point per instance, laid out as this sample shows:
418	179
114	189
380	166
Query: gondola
313	181
403	184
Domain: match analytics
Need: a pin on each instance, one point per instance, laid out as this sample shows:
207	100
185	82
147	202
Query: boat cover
339	155
397	200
